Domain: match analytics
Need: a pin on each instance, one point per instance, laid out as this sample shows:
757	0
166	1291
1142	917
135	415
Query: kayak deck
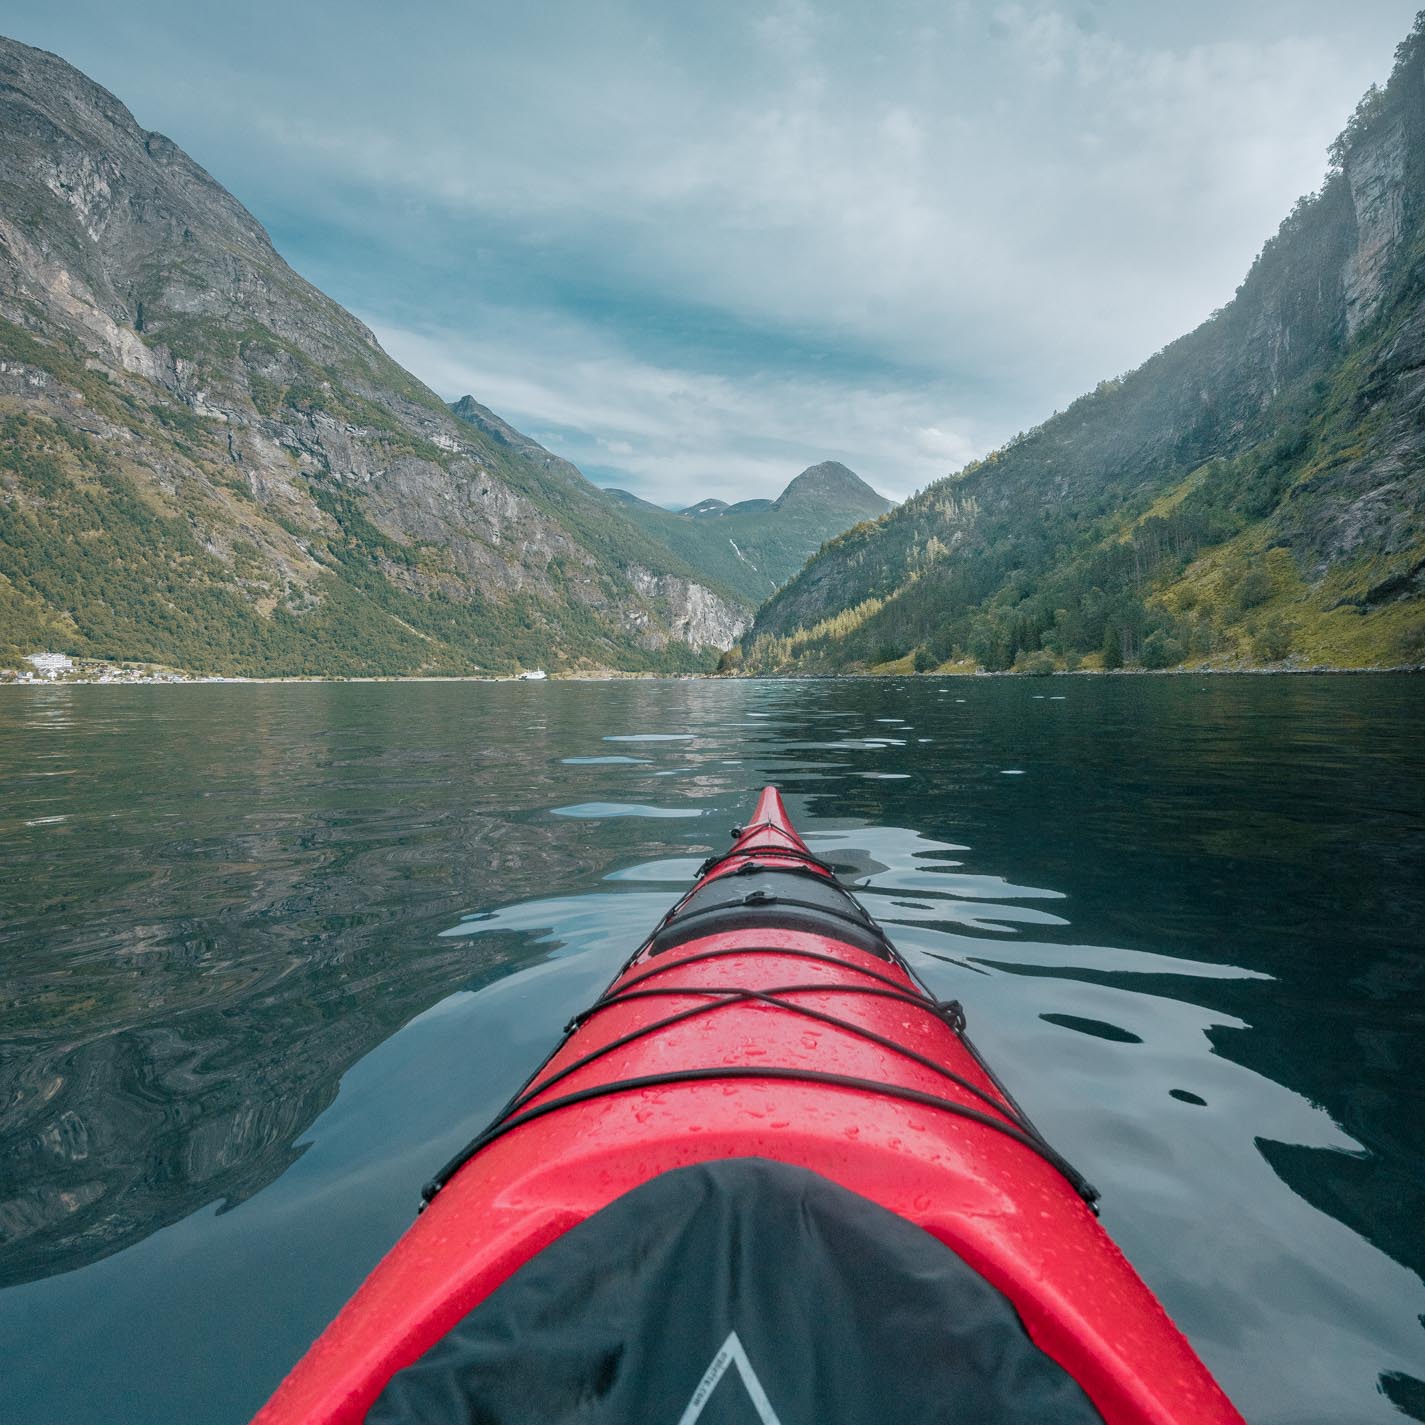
768	1016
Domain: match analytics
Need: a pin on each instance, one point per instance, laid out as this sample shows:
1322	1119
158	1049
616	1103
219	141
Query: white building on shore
50	665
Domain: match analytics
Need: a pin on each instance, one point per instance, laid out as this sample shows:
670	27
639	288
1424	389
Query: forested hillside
1253	494
754	546
743	552
207	463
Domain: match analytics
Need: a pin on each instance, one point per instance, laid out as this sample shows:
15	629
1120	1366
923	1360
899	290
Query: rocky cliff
206	462
1255	493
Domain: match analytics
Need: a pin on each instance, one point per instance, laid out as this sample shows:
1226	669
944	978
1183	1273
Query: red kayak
766	1177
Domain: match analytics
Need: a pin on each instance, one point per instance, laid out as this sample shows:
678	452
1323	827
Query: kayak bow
765	1154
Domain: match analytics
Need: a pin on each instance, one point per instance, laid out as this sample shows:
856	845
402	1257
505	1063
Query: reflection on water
272	954
1256	1276
601	811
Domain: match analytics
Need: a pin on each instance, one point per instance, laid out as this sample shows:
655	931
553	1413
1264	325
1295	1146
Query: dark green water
244	1011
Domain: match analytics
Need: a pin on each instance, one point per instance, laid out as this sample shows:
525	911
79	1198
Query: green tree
1273	641
1160	650
1039	664
1254	590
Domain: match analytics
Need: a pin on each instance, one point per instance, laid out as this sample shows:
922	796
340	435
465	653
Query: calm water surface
269	955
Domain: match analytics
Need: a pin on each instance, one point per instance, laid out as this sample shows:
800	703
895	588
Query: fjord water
271	954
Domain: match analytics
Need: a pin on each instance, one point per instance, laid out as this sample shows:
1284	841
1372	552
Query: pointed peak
831	481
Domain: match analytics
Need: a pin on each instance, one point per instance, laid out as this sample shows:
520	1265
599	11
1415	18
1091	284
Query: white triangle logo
730	1353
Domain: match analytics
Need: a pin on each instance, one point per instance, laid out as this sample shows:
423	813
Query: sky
697	247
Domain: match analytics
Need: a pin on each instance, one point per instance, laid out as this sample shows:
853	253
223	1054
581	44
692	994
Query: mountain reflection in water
273	953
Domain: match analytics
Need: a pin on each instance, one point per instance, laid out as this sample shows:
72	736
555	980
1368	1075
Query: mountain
750	548
624	497
206	462
1253	494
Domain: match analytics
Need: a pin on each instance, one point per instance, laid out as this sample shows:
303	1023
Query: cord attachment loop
954	1014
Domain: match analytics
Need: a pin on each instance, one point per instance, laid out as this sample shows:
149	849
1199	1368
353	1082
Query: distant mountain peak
831	480
753	546
627	497
469	410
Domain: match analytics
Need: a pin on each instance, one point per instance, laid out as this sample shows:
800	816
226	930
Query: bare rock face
697	615
268	491
677	605
1376	174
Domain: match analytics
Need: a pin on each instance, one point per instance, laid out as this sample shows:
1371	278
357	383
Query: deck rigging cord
1004	1116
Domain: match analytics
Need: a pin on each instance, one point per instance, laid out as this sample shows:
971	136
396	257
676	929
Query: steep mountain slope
206	462
719	611
754	546
1255	493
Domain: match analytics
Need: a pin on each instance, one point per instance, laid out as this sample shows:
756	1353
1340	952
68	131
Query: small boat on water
765	1178
535	675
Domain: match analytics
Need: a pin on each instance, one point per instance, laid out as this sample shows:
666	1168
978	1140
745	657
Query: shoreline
168	679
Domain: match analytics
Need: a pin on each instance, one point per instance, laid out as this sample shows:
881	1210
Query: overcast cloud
696	248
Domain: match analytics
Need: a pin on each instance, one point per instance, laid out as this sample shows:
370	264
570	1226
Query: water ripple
608	809
291	946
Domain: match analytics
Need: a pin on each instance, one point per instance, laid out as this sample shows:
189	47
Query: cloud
679	434
948	449
650	218
1018	198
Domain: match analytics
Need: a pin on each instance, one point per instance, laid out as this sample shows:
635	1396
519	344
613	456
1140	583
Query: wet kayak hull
772	1025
